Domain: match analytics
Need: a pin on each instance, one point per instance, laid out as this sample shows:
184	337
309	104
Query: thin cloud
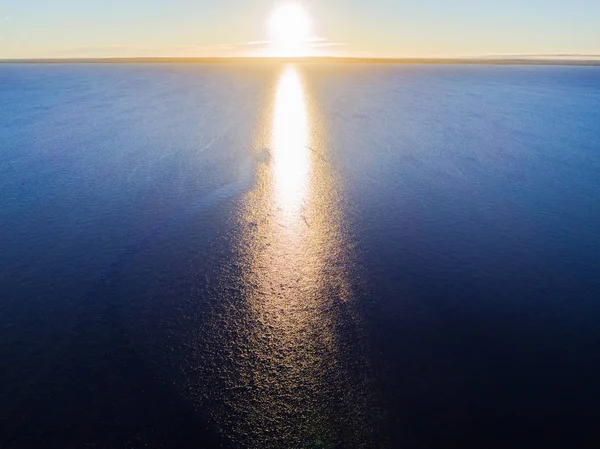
267	42
331	44
243	44
235	49
541	56
263	47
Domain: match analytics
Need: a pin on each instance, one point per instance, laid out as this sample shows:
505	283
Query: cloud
95	50
263	47
315	45
331	44
564	56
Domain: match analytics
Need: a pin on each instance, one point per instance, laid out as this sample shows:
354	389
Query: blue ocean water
314	256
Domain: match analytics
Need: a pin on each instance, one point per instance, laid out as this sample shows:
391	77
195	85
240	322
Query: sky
370	28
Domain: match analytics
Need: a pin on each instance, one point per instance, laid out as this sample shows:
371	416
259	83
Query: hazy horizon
236	28
532	60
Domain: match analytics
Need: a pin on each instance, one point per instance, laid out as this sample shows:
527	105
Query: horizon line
481	60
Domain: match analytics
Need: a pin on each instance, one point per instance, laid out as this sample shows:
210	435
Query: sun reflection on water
291	158
288	372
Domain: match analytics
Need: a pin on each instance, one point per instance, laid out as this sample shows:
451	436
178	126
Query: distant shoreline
311	60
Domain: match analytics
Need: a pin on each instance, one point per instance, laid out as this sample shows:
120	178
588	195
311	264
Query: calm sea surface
361	256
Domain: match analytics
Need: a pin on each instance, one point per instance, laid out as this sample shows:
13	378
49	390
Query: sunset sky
372	28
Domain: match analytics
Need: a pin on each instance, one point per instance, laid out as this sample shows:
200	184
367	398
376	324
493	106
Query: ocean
299	256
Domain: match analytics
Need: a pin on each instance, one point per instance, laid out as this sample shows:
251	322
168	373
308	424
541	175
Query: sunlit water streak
291	158
291	377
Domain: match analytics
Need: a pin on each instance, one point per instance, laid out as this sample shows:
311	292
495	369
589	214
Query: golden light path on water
286	347
291	158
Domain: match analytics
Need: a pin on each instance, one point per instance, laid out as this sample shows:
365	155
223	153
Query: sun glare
290	142
290	29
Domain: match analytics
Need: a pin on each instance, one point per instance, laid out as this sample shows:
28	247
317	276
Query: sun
290	29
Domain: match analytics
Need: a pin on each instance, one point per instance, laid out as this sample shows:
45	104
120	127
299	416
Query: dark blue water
311	257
